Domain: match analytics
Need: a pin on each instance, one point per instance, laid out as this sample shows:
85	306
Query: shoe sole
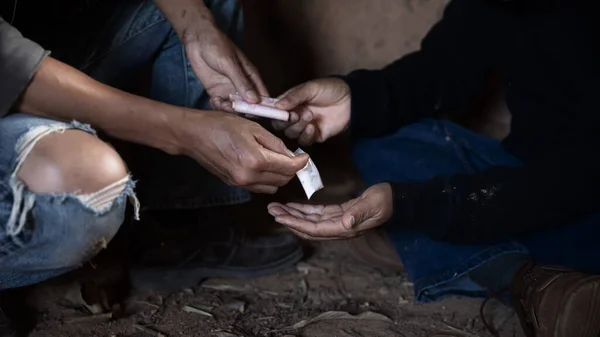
175	278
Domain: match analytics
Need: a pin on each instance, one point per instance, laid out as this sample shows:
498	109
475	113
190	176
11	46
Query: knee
71	162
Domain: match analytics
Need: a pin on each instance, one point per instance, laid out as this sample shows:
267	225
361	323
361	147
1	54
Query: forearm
186	16
61	92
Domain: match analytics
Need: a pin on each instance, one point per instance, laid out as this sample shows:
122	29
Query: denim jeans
420	151
42	236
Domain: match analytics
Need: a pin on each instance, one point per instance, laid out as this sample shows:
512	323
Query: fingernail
250	94
309	130
352	221
294	117
307	117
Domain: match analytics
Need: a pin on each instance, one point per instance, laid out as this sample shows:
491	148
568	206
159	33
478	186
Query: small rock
237	305
306	268
191	309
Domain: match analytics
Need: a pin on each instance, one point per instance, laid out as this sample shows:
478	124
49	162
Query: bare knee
71	162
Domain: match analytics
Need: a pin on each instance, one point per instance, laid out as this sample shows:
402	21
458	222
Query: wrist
189	18
183	125
199	24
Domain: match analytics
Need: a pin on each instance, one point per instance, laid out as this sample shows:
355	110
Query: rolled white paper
260	110
264	100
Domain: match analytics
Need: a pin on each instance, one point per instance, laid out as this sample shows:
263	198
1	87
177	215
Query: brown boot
557	302
375	249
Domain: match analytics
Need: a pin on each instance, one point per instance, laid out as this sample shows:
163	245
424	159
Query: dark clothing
548	60
436	146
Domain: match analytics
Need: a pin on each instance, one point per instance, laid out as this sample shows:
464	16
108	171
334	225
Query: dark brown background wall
293	40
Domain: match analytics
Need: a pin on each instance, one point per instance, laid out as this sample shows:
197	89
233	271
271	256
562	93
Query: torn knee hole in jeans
99	202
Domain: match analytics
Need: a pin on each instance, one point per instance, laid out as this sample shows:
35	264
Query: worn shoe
557	302
180	256
375	249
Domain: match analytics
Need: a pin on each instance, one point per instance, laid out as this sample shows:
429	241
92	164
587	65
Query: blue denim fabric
138	38
420	151
59	231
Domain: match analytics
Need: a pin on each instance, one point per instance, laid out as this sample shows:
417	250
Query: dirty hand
350	219
222	68
238	151
322	107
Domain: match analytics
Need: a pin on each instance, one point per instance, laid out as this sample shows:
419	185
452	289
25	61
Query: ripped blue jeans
42	236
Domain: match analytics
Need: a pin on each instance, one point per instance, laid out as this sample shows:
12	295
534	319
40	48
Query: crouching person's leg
62	198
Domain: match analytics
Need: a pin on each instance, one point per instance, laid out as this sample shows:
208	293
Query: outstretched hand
350	219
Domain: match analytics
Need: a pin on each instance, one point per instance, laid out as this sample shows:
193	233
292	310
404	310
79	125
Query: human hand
322	107
350	219
238	151
222	68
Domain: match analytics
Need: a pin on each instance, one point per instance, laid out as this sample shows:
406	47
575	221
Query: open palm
344	221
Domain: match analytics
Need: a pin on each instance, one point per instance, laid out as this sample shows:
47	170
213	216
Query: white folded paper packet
309	177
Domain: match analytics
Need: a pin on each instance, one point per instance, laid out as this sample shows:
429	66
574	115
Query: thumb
296	96
358	213
272	143
279	157
232	68
282	157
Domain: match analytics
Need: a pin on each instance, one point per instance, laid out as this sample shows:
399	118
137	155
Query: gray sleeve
19	60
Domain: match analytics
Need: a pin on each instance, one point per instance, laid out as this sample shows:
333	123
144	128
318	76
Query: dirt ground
329	294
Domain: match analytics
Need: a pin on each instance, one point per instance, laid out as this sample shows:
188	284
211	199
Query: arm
218	63
61	92
443	77
35	83
188	17
240	152
558	189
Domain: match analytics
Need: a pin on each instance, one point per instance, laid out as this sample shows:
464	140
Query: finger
283	210
296	129
308	135
285	166
276	210
252	73
262	189
358	213
275	179
216	102
278	157
297	96
227	106
272	143
233	70
281	125
322	229
308	209
312	217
